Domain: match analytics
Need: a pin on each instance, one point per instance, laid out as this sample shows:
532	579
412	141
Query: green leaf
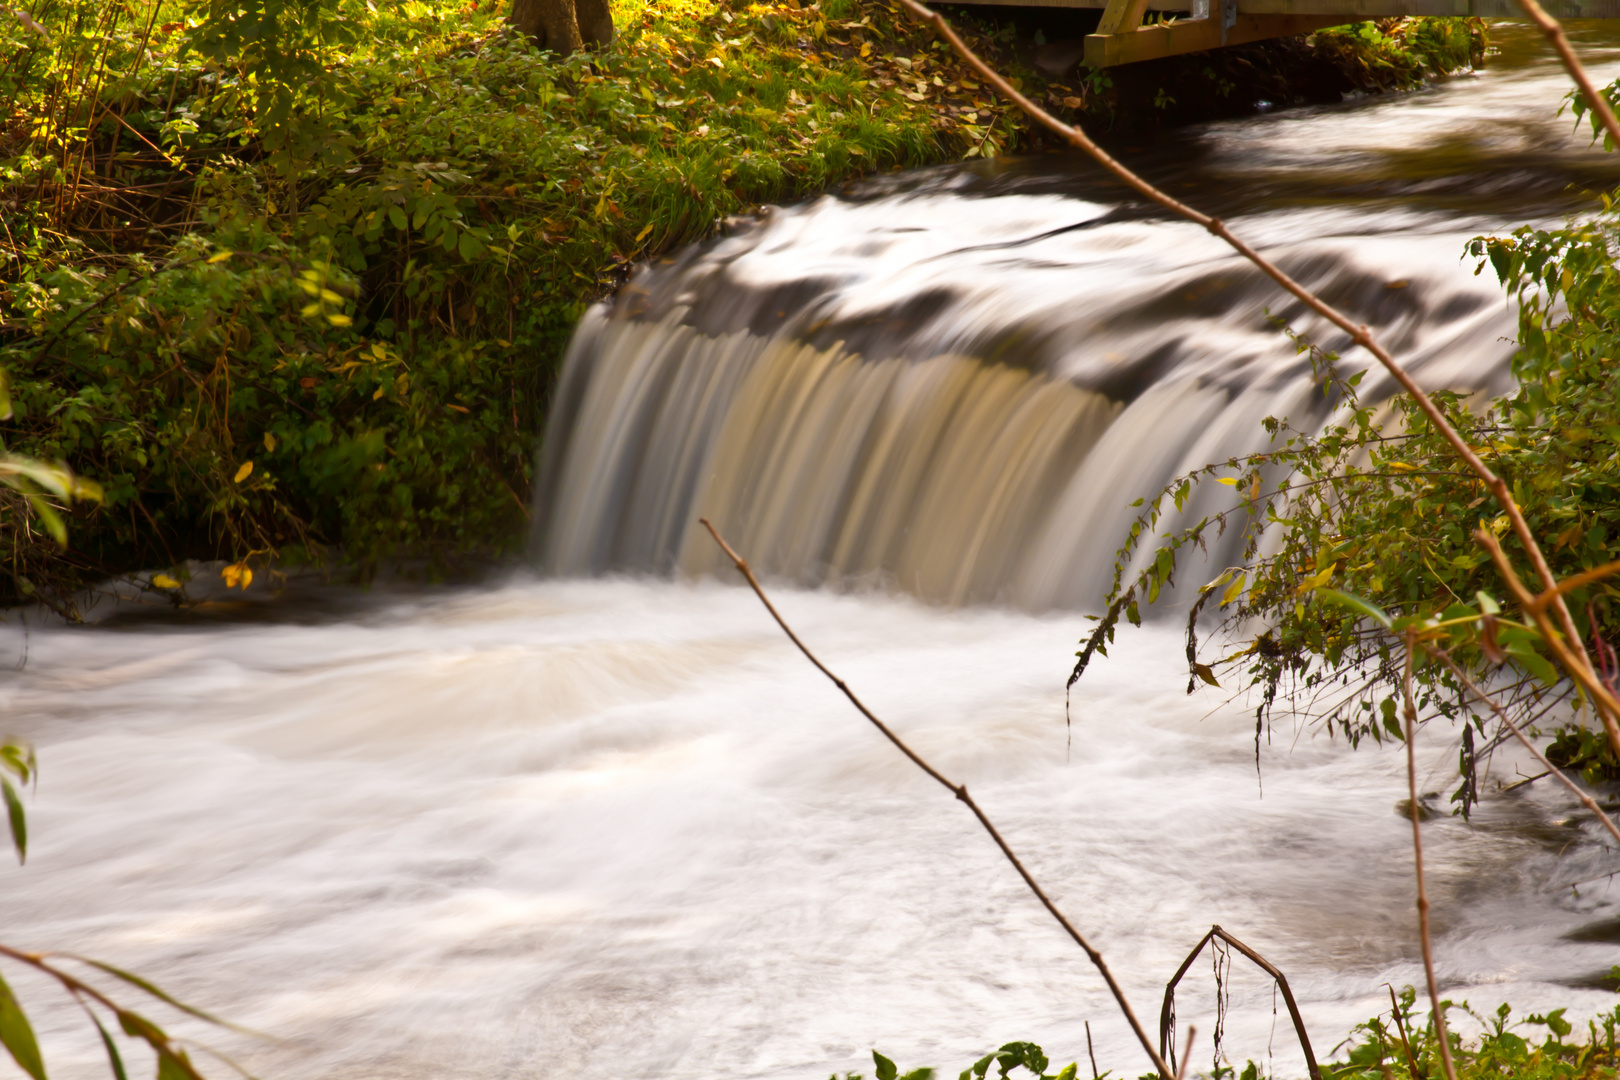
470	246
17	1034
1539	667
397	217
1355	604
114	1060
142	984
172	1066
47	513
1205	672
5	396
19	821
885	1067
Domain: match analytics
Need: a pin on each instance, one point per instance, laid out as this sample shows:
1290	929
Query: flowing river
601	819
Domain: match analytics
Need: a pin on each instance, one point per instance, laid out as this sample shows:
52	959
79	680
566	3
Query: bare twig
1552	770
961	793
1555	34
1417	858
1281	981
1608	708
1358	333
1186	1055
1406	1044
1090	1053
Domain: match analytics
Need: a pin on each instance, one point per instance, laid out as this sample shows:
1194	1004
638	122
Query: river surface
600	818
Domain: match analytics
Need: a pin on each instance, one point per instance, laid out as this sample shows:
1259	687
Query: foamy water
554	828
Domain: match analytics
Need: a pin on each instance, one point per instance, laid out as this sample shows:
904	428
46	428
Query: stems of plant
1555	34
1417	858
1604	702
1076	137
1502	714
1400	1026
1090	1053
1181	1070
961	793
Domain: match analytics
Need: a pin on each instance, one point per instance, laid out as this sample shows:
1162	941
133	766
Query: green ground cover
284	275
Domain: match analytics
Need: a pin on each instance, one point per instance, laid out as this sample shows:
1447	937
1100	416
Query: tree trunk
595	22
550	24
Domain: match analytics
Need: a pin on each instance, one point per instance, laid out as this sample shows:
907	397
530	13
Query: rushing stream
604	821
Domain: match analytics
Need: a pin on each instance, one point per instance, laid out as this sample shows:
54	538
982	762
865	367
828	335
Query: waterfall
962	397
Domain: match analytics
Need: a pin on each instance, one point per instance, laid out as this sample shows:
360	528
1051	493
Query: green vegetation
1377	522
1395	1045
282	274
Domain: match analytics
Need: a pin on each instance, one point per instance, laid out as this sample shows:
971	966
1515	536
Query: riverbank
314	294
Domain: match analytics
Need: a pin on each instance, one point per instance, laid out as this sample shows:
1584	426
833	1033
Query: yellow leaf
244	472
1229	481
381	390
1400	466
237	575
164	581
269	443
220	257
339	320
1234	590
1318	579
1205	672
642	235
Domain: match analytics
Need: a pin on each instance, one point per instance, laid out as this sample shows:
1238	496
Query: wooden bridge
1123	38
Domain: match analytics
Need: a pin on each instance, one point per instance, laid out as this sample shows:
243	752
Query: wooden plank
1196	35
1153	5
1356	10
1352	10
1122	16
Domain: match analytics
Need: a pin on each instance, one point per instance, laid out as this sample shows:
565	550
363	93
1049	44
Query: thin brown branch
78	987
961	793
1400	1027
1417	858
1181	1070
1281	981
1076	137
1606	706
1570	584
1518	732
1555	34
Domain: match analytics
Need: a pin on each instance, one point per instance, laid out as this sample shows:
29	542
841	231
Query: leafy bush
1375	523
290	273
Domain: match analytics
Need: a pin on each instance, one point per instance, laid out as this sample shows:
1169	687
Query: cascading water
599	823
961	394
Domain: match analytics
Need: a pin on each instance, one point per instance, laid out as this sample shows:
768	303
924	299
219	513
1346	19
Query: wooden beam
1122	16
1356	10
1152	5
1196	35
